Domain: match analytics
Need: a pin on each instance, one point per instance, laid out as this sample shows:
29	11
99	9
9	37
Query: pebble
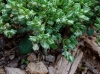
31	58
23	66
50	58
11	57
13	64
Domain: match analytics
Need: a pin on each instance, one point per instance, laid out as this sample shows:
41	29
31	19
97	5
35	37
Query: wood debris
37	68
2	71
93	45
11	70
64	67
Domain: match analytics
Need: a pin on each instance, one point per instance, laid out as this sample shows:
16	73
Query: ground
11	57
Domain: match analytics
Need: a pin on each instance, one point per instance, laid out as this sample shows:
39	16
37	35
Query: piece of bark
11	70
91	68
93	45
65	67
51	70
75	64
2	71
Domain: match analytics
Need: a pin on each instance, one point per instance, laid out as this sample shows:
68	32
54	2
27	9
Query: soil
89	64
10	56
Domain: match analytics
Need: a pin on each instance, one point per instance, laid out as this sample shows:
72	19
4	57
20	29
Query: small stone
11	57
47	63
50	58
23	66
37	68
31	58
13	64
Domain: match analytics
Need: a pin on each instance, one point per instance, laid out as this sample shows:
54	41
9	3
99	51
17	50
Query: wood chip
37	68
93	45
75	64
51	70
92	69
65	67
2	71
11	70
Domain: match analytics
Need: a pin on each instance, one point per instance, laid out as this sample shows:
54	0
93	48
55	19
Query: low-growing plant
51	22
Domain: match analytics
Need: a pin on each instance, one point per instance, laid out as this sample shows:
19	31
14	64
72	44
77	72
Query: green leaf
90	32
44	44
68	56
97	25
21	30
8	6
25	45
33	38
99	40
26	62
22	61
70	22
8	26
9	33
84	17
71	58
53	46
35	47
50	40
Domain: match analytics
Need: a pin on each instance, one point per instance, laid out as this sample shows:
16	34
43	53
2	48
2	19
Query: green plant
23	61
46	19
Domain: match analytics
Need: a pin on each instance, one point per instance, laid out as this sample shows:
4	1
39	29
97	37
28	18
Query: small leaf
71	58
22	61
70	22
53	46
90	32
35	47
33	38
25	45
83	17
21	30
98	40
26	62
50	41
9	33
8	6
44	44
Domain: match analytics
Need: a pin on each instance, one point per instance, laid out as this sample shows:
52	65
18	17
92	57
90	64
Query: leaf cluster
47	18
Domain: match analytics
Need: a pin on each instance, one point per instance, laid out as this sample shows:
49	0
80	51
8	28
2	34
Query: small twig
90	67
10	51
